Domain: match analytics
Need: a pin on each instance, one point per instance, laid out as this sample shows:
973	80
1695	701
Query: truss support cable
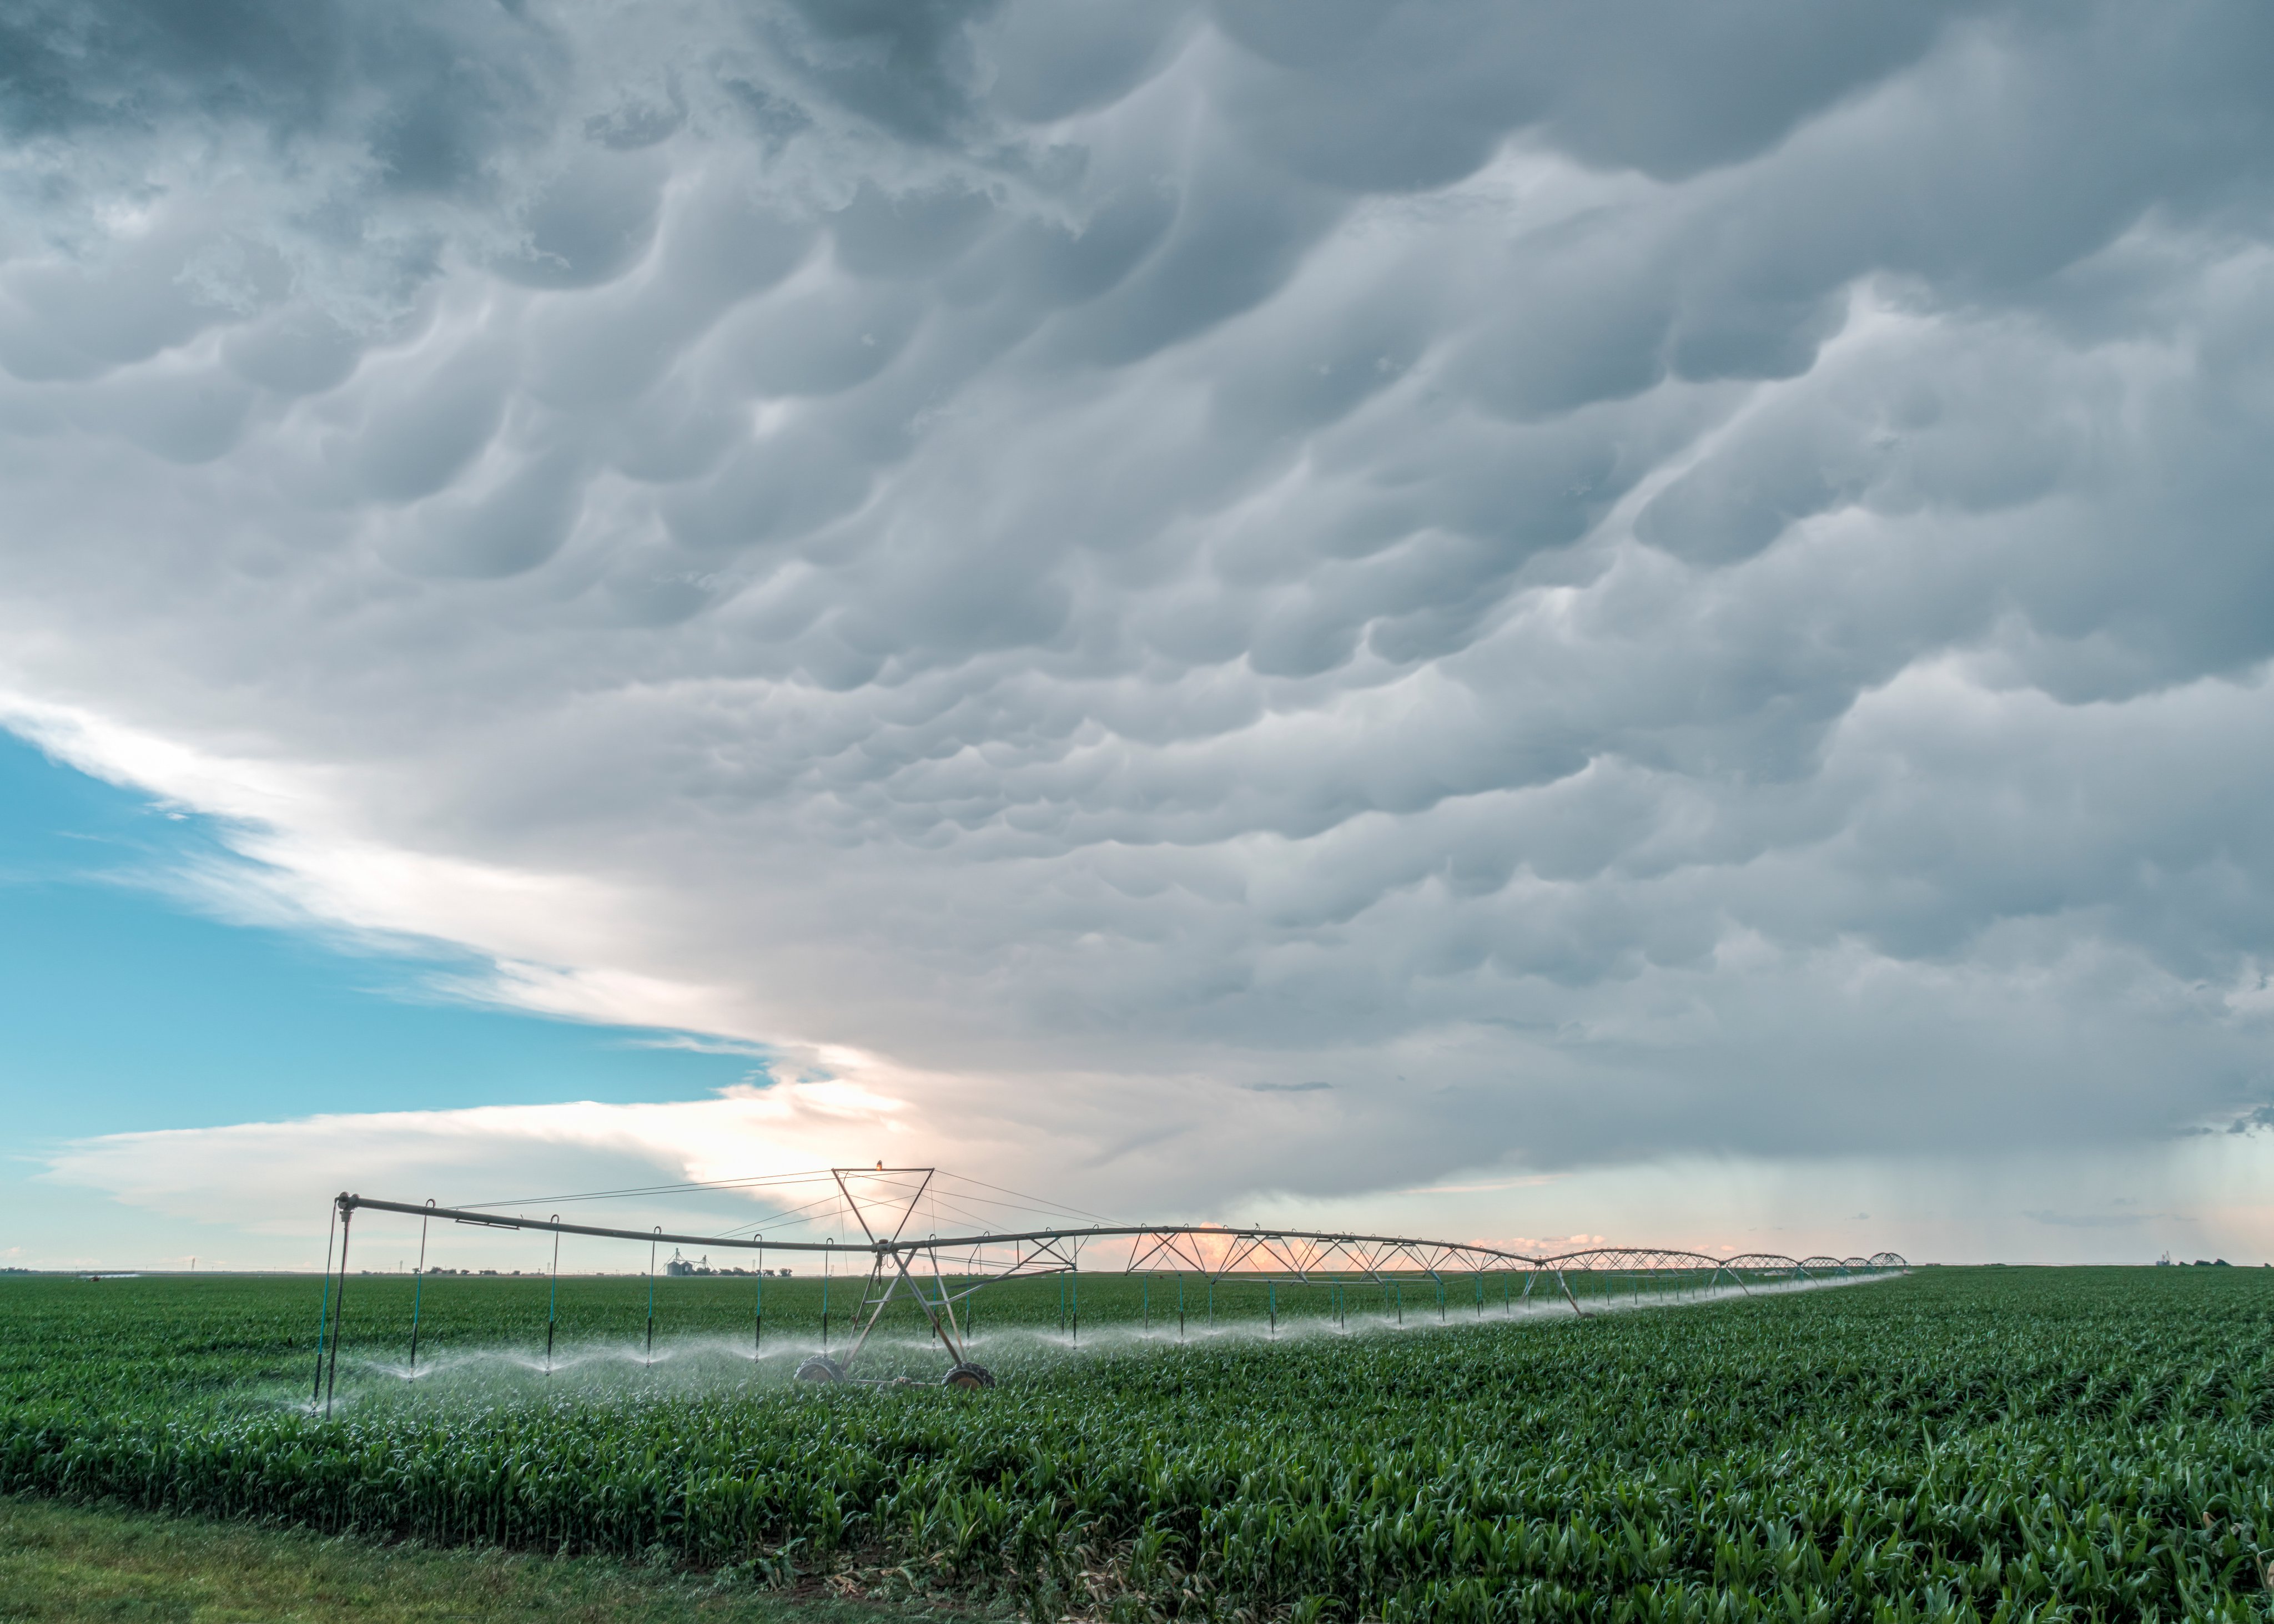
553	1300
324	1313
419	1290
339	1318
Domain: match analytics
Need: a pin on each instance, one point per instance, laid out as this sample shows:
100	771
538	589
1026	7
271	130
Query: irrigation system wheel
821	1367
968	1376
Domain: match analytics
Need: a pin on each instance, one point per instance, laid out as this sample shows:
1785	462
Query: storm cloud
1292	595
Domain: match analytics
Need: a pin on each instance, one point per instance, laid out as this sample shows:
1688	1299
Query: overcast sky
1657	616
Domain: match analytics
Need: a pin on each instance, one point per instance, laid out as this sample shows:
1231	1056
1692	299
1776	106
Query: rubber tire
820	1367
970	1377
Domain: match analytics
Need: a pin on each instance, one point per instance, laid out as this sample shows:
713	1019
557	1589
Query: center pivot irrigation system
941	1274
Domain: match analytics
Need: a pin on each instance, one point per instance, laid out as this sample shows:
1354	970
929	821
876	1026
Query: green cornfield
1994	1444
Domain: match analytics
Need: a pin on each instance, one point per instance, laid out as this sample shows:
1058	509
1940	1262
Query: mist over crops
1952	1443
1022	1328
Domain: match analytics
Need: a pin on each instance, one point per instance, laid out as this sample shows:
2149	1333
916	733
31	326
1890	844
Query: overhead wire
613	1195
957	1194
1034	1203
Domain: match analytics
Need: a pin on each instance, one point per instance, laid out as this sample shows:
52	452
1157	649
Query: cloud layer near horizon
1602	583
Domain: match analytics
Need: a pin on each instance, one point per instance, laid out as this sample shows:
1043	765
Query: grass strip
78	1563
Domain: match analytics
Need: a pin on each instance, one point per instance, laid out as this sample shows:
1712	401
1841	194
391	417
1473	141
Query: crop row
1985	1444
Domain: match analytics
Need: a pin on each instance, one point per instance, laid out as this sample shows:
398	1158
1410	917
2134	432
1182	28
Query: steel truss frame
958	1266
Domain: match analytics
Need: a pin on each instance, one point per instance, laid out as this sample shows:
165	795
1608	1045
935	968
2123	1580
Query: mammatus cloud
1600	586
